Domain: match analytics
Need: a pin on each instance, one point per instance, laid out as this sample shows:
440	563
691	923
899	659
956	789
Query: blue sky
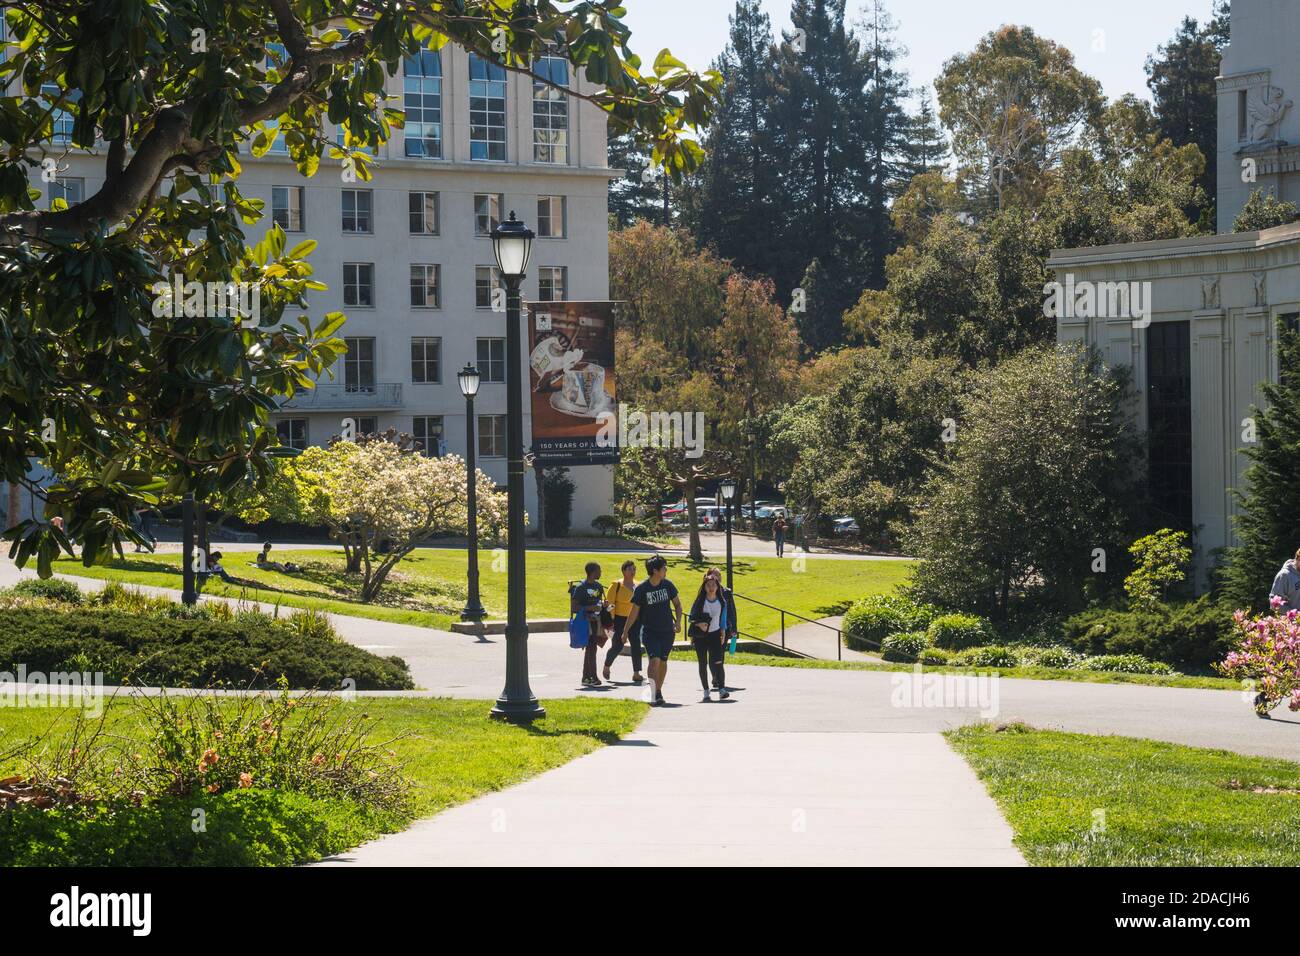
1109	38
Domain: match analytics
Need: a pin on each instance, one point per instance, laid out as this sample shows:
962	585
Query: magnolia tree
1268	657
381	499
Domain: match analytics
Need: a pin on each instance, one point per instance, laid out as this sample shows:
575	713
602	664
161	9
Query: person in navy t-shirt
658	609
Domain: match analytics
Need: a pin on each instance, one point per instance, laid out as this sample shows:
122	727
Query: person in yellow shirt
620	595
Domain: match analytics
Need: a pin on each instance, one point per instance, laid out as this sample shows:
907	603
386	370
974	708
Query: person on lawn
588	598
620	596
214	570
1287	585
657	609
713	623
265	563
778	534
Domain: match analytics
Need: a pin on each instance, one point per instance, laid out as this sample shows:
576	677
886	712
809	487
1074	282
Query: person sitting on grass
214	569
265	563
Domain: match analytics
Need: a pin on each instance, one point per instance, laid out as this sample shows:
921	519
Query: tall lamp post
512	242
469	379
728	490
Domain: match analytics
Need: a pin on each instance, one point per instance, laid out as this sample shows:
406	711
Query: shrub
934	656
994	656
1123	664
956	632
1268	655
1162	562
605	524
254	650
905	648
873	619
1060	658
312	624
634	529
51	589
1196	633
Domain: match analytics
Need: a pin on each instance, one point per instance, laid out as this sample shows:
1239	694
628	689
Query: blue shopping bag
579	630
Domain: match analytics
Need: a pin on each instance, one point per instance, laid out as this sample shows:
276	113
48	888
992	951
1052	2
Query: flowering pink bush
1269	656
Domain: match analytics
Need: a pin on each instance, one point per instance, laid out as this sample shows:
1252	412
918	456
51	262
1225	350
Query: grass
452	754
428	587
1082	800
1025	673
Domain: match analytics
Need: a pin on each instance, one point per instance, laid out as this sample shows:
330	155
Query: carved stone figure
1267	110
1261	289
1209	292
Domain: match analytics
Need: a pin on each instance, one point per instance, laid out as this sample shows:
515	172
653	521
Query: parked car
844	528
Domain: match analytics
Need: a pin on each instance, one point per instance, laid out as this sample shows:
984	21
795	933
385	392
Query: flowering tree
381	499
1268	657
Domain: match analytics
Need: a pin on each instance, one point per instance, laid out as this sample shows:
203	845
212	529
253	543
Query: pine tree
635	196
1182	80
738	208
1268	526
927	148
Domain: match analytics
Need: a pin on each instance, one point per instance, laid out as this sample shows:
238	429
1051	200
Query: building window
551	283
426	360
487	279
292	433
1169	423
425	287
492	360
1243	116
277	57
492	436
359	365
550	217
357	210
424	213
63	120
422	99
359	284
487	212
487	109
551	112
367	425
71	191
286	207
427	430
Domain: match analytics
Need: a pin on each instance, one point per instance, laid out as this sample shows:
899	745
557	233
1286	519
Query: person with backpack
587	598
713	623
619	596
657	609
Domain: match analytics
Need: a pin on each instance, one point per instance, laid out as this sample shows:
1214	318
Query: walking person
657	610
778	532
713	624
1287	585
588	598
620	596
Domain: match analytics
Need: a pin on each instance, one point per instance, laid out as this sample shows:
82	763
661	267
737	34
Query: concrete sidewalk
682	798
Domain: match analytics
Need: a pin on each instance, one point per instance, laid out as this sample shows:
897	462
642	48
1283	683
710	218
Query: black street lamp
469	379
512	242
728	491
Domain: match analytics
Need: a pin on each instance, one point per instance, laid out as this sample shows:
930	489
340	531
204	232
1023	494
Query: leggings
616	645
708	651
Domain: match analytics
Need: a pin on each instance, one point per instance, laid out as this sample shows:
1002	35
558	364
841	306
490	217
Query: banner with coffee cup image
571	369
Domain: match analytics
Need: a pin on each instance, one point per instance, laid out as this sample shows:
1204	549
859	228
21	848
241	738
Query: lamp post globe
512	244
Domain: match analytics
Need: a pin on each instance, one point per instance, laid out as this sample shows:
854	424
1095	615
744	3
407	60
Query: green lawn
1081	800
1026	673
428	588
452	753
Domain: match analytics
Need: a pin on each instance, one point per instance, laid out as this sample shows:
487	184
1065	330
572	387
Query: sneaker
708	699
723	694
638	679
606	673
659	700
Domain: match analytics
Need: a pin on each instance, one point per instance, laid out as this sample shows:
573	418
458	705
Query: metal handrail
839	634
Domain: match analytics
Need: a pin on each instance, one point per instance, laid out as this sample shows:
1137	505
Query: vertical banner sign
571	371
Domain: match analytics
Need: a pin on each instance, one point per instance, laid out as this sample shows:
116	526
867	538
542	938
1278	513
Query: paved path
840	754
812	639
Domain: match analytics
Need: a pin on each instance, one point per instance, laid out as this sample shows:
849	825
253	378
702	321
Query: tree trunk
693	521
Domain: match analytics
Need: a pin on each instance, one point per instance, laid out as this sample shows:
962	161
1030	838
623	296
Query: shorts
658	645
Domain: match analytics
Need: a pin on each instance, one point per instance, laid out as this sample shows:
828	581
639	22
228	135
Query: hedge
871	620
956	632
246	651
1195	633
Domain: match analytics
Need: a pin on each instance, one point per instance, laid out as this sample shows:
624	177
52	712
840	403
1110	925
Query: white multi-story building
407	256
